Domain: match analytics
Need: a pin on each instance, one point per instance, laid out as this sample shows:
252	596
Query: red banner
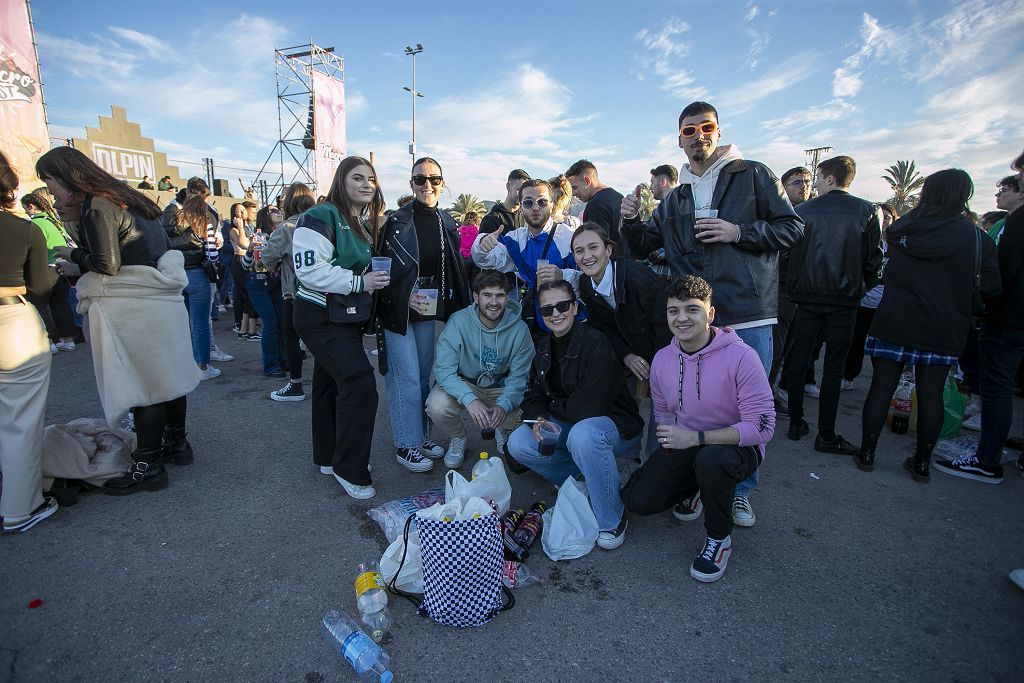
328	128
23	134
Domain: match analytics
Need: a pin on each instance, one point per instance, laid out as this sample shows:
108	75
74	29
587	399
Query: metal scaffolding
293	67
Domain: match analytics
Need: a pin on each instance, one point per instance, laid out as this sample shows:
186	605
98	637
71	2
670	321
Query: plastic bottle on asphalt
369	661
900	406
481	465
530	528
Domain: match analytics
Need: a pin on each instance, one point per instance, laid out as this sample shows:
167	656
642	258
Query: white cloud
752	11
155	47
663	56
875	42
745	96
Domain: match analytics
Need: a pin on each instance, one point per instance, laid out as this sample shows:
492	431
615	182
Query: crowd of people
553	328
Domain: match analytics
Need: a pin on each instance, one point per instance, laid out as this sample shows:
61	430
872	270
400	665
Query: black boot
176	447
864	459
919	466
145	474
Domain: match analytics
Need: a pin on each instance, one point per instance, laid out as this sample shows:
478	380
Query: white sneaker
330	470
613	538
974	407
66	346
217	355
53	349
973	423
209	373
356	491
845	385
812	390
456	453
222	309
742	512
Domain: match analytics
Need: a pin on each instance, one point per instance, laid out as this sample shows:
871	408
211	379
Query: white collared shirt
606	288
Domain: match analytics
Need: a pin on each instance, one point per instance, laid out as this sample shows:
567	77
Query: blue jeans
197	301
590	446
1001	351
270	307
410	358
759	339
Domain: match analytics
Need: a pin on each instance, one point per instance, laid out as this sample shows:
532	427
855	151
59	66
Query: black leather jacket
638	323
191	245
112	237
744	275
840	255
593	378
398	240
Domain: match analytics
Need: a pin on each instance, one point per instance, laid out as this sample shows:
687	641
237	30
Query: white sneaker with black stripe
969	467
742	512
413	460
710	564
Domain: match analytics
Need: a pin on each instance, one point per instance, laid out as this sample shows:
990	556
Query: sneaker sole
710	578
452	465
366	494
966	475
23	526
432	456
424	466
274	396
746	523
692	517
611	544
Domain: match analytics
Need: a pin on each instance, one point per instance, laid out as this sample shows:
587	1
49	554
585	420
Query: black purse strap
392	588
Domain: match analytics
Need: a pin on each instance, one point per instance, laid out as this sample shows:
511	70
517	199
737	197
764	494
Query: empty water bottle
367	658
370	593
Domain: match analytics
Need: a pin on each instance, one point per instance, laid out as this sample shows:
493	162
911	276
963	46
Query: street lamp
412	52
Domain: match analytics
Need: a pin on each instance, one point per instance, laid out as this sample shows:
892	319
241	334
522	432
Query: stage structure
310	91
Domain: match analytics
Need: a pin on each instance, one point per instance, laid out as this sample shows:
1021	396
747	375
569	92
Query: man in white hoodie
726	222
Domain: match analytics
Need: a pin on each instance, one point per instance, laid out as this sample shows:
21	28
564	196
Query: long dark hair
8	183
946	193
79	173
263	222
339	197
194	214
298	199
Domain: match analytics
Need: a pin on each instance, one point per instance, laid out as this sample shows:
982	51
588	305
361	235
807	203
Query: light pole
412	52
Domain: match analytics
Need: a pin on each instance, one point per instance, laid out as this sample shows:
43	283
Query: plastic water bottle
481	465
367	658
257	251
372	601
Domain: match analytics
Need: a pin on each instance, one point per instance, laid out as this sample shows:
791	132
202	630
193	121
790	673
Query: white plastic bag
410	578
457	510
492	485
570	527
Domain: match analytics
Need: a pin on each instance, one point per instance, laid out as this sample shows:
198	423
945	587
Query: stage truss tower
293	67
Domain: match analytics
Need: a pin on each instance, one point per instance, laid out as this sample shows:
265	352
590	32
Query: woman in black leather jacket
423	244
188	235
119	227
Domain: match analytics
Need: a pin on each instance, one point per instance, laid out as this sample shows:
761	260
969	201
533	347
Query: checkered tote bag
462	567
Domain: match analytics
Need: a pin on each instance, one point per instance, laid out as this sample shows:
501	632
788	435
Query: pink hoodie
723	385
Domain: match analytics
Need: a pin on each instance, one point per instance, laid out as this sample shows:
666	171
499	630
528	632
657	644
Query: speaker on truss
308	138
220	187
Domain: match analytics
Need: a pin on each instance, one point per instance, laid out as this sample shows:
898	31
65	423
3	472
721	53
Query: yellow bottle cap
484	455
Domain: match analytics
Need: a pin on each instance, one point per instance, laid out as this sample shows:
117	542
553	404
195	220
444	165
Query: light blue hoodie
507	353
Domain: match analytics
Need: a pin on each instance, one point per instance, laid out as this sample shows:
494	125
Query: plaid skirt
879	348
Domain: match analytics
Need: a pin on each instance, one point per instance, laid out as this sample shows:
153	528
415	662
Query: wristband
700	438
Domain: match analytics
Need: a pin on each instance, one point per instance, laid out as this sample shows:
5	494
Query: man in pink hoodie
715	412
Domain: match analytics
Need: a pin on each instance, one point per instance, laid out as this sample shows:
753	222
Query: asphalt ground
226	574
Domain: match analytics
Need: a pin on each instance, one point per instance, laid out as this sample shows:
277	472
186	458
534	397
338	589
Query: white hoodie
703	186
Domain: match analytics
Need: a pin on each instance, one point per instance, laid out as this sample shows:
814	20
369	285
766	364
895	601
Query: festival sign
328	128
23	134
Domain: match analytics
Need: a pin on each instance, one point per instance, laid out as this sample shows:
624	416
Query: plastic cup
549	433
540	264
705	213
431	307
381	263
487	433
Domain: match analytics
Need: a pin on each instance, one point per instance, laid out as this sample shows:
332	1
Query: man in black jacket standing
505	214
726	222
838	259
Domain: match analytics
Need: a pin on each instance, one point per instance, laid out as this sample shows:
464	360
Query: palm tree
467	203
905	182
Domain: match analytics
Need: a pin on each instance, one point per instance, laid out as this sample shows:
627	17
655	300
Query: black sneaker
710	564
688	509
236	328
798	429
290	392
838	445
968	467
49	507
255	336
413	460
431	449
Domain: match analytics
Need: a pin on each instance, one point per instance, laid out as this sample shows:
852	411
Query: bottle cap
484	455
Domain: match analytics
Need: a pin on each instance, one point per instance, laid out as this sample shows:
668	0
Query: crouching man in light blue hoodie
481	366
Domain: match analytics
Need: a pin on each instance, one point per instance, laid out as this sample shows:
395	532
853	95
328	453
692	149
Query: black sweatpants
668	476
242	303
290	338
810	321
855	356
344	393
55	310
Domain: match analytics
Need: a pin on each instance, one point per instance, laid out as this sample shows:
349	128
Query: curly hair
689	287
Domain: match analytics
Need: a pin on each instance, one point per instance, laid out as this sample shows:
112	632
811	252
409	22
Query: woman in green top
55	308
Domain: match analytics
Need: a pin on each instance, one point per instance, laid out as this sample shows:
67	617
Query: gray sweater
278	251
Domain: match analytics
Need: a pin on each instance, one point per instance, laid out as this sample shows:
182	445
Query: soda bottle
900	407
481	465
530	528
367	658
509	522
257	252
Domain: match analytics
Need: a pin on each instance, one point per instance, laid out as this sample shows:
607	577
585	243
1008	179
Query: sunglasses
421	180
708	127
561	307
541	203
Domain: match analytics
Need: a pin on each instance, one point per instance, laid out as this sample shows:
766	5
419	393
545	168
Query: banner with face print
328	128
23	134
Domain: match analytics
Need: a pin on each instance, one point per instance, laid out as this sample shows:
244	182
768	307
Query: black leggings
242	303
151	420
886	376
292	350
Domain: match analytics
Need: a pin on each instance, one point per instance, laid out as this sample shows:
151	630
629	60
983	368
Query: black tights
930	381
151	420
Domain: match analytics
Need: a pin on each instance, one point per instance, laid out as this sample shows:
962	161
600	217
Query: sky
537	86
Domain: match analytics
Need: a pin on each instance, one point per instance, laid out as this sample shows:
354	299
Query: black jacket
191	245
499	217
398	240
1007	310
929	282
594	381
111	237
743	275
840	255
638	324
